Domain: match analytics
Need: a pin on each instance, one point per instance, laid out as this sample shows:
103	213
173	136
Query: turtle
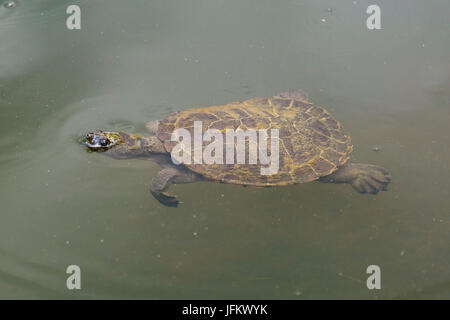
310	144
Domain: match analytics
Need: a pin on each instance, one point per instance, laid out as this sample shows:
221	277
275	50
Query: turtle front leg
364	178
167	176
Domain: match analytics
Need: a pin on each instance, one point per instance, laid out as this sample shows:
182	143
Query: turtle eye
103	142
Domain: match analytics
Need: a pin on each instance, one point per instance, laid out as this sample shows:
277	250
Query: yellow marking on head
113	136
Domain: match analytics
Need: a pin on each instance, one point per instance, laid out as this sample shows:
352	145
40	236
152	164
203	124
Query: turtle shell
311	142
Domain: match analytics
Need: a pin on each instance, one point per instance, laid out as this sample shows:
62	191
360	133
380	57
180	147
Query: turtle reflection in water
312	146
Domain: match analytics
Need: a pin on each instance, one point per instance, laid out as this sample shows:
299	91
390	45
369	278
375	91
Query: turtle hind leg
364	178
166	177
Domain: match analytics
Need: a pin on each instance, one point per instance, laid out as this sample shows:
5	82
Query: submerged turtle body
311	146
311	141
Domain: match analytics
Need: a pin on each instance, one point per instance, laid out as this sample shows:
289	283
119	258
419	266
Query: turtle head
115	144
102	141
121	145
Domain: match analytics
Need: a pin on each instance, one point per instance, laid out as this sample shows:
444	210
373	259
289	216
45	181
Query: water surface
132	63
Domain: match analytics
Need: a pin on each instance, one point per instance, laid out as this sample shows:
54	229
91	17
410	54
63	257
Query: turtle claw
166	199
371	179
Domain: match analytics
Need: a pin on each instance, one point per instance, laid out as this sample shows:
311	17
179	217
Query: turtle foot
364	178
166	199
370	179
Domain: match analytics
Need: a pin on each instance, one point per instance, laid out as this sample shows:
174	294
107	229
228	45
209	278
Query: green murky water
132	63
